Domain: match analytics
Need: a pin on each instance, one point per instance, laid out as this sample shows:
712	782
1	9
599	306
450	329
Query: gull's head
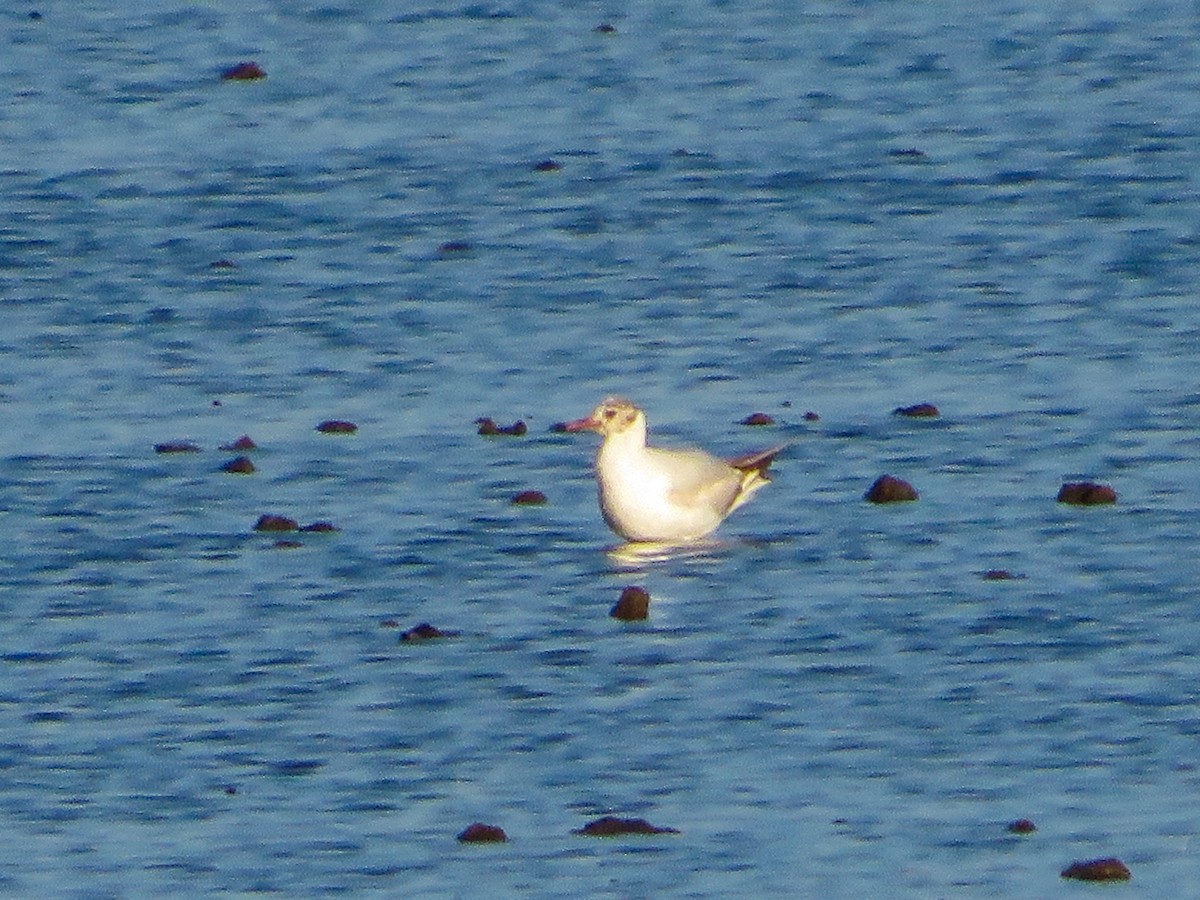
613	416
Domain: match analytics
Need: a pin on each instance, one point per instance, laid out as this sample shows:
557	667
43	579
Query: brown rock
919	411
633	606
758	418
176	447
1022	826
489	428
887	489
320	527
241	465
1086	493
247	71
611	826
241	445
529	498
547	165
479	833
811	416
450	247
425	632
998	575
268	522
337	426
1109	869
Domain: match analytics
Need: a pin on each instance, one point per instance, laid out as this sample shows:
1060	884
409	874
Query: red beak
585	424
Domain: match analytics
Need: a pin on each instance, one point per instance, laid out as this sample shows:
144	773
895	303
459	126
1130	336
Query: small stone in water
479	833
425	632
887	489
242	465
247	71
241	444
919	411
611	826
269	522
1086	493
176	447
529	498
758	418
1108	869
633	605
337	426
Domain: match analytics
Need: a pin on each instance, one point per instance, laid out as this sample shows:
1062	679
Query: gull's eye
609	413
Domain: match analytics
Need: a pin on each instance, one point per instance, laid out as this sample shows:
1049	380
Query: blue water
760	206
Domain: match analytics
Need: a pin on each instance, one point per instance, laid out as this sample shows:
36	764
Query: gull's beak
584	424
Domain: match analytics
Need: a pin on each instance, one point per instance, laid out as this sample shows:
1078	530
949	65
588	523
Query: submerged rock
241	465
241	445
479	833
1086	493
611	826
246	71
320	527
888	489
633	605
917	411
425	632
758	418
1108	869
998	575
489	428
271	522
177	447
337	426
1022	826
529	498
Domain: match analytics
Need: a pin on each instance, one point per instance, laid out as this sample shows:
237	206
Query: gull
651	494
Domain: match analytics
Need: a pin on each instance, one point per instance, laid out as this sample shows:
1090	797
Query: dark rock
479	833
909	153
222	264
919	411
287	544
230	789
811	416
241	465
450	247
247	71
547	165
1109	869
1022	826
241	445
633	605
268	522
320	527
611	826
176	447
425	632
997	575
529	498
489	428
758	418
887	489
1086	493
337	426
605	28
